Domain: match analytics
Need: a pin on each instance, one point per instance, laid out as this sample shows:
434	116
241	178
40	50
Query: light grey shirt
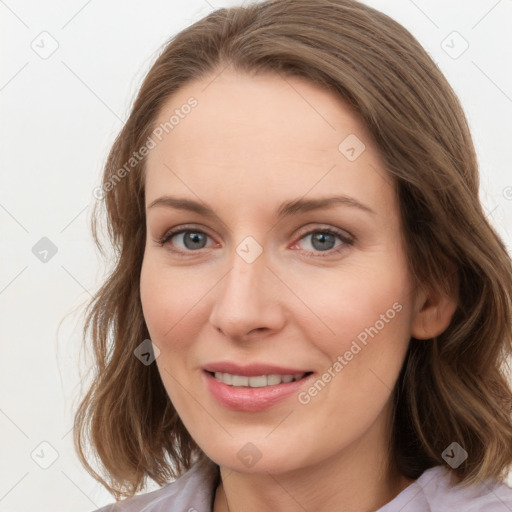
433	491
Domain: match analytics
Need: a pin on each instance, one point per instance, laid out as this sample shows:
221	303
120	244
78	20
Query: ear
434	310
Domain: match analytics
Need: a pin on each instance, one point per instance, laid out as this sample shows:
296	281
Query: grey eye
322	241
193	239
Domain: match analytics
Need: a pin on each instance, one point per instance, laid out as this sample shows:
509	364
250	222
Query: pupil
194	238
322	238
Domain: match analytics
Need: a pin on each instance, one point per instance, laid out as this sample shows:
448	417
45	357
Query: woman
309	309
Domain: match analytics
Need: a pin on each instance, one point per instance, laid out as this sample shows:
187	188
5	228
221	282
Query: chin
256	457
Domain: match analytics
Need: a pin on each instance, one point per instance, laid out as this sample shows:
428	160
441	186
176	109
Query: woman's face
268	274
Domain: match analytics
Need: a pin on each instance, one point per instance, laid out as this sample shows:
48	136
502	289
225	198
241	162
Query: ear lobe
434	314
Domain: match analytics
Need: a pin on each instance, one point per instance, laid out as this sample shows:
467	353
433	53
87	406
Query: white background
59	117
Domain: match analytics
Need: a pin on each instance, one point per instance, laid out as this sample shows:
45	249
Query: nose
248	301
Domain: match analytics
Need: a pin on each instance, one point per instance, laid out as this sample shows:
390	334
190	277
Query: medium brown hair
451	388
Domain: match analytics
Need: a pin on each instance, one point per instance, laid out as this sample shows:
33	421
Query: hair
453	387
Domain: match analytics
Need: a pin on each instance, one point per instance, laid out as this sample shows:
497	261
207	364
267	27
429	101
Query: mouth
254	393
257	381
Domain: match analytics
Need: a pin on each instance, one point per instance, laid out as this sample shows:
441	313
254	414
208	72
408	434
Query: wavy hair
453	387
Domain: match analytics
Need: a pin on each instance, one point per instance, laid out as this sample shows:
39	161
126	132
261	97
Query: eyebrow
286	209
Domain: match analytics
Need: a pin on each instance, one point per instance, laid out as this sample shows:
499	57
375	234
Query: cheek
364	332
168	303
348	304
167	312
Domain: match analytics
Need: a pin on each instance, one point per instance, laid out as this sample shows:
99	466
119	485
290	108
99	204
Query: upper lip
251	370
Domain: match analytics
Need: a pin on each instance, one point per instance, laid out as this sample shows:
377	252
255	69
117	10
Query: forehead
262	135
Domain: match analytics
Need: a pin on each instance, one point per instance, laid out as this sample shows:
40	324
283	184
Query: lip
252	370
249	399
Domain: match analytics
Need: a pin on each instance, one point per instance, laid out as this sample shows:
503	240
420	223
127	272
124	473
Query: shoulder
192	492
437	490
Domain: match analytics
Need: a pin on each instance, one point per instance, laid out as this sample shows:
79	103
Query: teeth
239	380
273	379
259	381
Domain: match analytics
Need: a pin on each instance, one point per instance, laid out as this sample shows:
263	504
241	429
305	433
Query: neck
357	480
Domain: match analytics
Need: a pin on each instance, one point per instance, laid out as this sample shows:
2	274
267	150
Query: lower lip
252	399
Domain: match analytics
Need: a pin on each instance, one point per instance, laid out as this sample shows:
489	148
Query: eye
186	240
324	241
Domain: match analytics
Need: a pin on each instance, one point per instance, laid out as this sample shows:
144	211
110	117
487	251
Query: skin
250	144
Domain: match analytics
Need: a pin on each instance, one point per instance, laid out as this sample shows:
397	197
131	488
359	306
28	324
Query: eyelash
347	240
